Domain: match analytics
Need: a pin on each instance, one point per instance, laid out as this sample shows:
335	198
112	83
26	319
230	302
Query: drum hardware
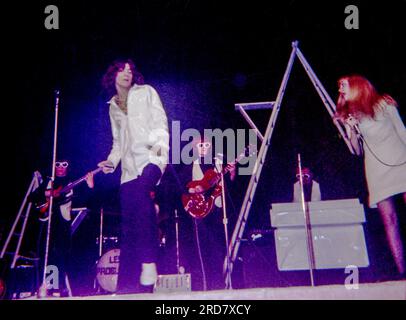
106	240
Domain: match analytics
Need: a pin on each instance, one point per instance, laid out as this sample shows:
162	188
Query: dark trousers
139	240
213	249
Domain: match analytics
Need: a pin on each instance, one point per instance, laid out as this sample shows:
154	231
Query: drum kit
109	255
107	270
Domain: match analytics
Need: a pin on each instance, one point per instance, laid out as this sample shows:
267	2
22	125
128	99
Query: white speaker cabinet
337	234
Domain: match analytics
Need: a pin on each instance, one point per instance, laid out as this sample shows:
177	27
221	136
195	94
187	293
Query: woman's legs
387	211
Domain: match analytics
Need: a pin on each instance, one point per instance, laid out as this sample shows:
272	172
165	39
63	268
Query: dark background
202	57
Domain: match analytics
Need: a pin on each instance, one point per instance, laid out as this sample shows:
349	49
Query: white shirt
141	137
297	195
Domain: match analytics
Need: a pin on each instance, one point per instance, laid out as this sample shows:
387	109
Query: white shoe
149	275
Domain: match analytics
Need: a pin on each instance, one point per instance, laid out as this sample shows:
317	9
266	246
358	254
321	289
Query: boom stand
266	140
42	292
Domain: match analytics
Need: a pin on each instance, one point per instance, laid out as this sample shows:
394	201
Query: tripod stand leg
33	185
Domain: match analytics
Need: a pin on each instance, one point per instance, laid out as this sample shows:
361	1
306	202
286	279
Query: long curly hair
366	101
109	78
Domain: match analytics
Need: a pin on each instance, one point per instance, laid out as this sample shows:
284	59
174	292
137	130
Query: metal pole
20	239
228	281
101	234
251	123
42	292
309	237
177	242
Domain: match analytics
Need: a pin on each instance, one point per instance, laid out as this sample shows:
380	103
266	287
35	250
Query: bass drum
107	270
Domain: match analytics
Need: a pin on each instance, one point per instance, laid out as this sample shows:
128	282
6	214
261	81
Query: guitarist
60	241
208	232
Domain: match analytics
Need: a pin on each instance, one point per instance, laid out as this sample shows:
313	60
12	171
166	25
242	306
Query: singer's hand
339	117
351	121
90	180
107	166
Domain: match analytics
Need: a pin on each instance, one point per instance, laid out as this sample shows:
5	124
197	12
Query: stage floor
392	290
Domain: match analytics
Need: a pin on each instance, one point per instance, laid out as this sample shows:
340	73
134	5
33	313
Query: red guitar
200	203
43	206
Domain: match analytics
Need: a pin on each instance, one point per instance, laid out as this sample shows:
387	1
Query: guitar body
198	205
43	211
210	178
44	206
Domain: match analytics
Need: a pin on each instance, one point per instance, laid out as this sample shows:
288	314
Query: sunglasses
203	144
305	176
63	164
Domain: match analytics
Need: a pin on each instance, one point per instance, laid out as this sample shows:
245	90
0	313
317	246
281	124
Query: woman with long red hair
376	130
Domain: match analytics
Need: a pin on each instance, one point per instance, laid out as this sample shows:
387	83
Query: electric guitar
42	207
200	203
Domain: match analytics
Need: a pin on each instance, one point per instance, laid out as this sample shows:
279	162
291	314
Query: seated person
311	188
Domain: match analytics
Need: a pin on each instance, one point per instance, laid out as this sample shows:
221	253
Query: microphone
355	125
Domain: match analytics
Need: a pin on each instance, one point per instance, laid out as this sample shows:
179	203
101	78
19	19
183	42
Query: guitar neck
75	183
226	169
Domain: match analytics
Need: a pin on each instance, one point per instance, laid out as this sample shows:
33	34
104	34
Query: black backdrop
202	57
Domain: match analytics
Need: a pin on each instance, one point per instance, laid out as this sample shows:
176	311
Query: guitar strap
197	172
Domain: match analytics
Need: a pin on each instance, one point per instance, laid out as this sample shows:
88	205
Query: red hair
365	101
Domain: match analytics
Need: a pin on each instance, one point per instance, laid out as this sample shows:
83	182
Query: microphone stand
42	292
96	286
309	236
178	267
228	281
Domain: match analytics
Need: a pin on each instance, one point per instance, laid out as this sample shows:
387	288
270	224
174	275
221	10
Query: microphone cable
360	135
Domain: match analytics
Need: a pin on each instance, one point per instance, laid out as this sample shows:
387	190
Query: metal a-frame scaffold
265	139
